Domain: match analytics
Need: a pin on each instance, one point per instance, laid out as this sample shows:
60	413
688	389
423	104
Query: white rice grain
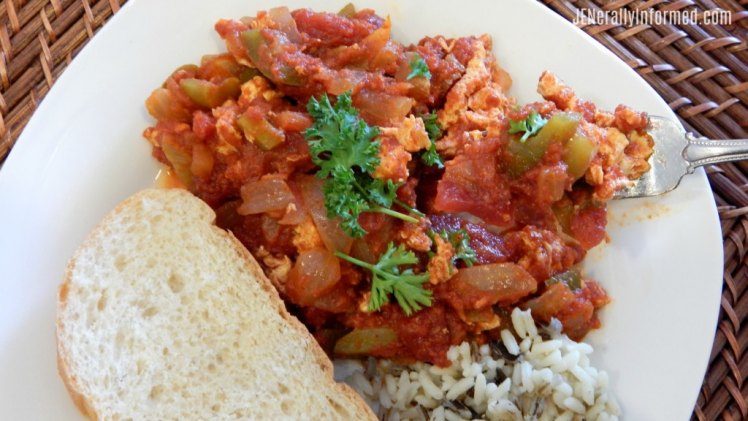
479	392
426	401
459	388
452	416
546	347
509	342
437	414
519	323
428	385
574	405
391	383
527	384
581	374
504	388
550	379
524	345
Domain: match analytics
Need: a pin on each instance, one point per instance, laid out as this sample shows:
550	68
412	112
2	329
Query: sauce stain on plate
647	211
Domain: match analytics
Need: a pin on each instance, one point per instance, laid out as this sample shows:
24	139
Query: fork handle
702	151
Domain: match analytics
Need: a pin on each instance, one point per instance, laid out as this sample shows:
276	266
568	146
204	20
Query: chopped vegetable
264	195
202	161
383	108
571	278
364	341
285	23
578	154
291	121
315	273
342	145
530	125
525	155
389	278
258	129
208	94
222	66
181	161
431	157
349	10
330	231
554	299
418	68
260	51
163	105
253	40
486	285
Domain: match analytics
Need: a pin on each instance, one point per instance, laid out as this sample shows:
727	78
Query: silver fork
677	153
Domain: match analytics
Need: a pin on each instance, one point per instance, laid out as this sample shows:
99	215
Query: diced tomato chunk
588	226
577	318
551	302
594	293
473	184
332	30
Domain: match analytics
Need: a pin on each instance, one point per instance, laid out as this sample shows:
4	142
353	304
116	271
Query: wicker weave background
700	70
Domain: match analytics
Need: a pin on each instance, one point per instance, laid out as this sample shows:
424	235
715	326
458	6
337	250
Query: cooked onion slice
264	195
315	273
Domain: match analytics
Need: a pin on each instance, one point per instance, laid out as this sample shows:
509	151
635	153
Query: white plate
82	153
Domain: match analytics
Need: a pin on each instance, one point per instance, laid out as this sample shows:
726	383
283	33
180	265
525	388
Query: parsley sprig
345	149
431	157
418	67
530	125
388	277
460	241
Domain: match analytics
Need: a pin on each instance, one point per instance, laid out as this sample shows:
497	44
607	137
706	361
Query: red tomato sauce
529	209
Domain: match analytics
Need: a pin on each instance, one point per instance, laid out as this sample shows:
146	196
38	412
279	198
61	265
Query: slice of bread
164	316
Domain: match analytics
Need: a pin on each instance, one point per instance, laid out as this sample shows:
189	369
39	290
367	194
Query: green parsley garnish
389	278
418	67
530	126
460	241
342	145
431	157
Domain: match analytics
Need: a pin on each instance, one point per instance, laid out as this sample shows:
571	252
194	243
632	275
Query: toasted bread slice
164	316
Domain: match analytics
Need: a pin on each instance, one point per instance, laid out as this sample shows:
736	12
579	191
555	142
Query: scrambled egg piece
306	236
476	106
229	136
410	134
477	75
393	161
543	252
415	237
440	266
257	87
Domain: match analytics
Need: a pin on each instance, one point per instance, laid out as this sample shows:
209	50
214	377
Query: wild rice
550	379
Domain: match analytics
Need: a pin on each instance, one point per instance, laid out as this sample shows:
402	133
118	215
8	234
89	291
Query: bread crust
83	403
68	378
313	347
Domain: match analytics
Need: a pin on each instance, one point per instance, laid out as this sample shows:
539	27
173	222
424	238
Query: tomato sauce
530	208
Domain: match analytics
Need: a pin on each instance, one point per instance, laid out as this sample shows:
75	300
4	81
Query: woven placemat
700	70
